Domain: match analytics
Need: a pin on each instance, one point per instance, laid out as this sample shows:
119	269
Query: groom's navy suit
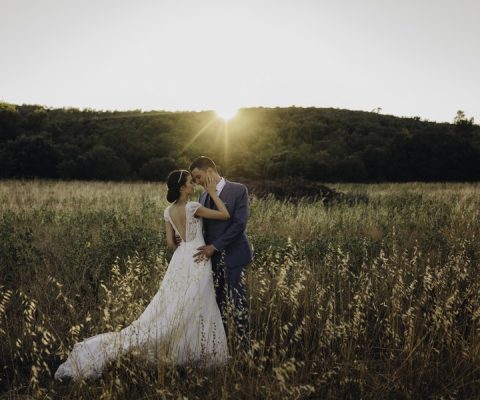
233	252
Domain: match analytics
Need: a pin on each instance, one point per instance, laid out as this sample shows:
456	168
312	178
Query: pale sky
408	57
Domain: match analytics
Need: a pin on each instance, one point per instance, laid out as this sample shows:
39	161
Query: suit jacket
229	237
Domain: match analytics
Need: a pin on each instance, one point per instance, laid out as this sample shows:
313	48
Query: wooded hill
320	144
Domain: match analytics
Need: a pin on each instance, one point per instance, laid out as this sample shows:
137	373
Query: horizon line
376	110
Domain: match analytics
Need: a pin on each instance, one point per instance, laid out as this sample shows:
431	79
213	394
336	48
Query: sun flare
226	113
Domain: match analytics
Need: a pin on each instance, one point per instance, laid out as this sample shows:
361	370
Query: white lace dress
182	322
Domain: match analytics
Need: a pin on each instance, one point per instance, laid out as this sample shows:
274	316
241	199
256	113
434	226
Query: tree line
319	144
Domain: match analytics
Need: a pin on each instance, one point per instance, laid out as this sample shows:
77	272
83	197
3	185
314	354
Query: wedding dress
182	322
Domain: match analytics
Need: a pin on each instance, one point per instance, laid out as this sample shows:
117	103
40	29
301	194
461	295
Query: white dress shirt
218	189
220	186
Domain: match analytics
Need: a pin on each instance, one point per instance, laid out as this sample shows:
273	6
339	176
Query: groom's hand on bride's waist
204	252
178	240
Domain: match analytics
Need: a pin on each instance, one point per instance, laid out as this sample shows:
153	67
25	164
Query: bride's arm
222	212
205	212
170	236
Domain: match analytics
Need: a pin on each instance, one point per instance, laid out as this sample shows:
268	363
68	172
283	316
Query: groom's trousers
231	294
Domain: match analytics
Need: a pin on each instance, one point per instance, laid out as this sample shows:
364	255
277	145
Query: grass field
372	300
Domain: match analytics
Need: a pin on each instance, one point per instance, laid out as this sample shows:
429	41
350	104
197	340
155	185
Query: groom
227	245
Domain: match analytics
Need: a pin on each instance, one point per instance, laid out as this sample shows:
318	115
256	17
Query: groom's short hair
203	163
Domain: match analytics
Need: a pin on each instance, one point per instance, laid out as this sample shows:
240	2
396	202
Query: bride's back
183	220
179	219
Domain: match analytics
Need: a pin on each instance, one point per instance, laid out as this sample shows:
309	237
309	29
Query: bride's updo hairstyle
176	179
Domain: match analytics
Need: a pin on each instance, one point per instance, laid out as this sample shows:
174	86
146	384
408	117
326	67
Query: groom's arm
238	222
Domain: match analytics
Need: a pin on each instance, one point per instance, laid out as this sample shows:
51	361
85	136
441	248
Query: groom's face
199	176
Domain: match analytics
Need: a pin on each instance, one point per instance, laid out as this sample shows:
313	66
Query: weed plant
371	300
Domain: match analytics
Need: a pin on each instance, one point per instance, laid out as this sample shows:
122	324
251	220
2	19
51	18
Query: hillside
319	144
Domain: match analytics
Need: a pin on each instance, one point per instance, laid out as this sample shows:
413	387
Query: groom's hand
178	240
204	252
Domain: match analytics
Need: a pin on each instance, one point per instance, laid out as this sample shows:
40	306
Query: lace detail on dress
194	224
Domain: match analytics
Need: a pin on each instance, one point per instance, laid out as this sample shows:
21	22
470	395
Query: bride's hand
210	185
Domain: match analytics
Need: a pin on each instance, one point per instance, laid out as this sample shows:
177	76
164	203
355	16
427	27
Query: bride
182	322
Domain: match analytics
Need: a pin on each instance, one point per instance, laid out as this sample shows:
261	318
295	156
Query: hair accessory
180	177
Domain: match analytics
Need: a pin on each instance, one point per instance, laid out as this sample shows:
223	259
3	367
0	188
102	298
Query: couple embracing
203	293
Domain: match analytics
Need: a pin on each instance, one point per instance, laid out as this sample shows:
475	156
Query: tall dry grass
372	300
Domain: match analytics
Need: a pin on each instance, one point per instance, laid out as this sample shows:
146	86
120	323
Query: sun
226	113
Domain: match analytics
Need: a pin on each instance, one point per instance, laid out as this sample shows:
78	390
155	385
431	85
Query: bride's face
189	186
